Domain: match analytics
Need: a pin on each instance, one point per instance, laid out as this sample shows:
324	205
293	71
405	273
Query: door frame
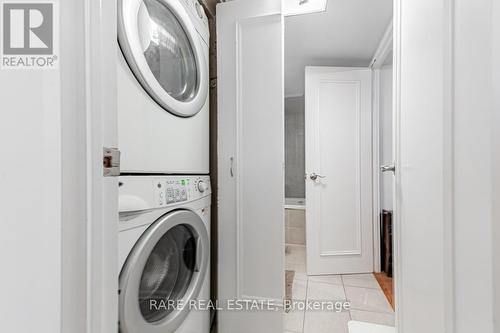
381	54
102	192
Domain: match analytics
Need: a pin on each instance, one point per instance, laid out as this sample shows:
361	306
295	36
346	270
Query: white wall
30	200
496	155
472	177
43	186
385	133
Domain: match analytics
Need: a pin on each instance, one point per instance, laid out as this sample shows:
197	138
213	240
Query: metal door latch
388	168
111	162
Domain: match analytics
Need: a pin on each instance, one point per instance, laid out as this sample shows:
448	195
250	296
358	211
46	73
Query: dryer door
165	269
165	53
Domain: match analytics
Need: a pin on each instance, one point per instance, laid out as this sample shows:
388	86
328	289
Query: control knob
202	186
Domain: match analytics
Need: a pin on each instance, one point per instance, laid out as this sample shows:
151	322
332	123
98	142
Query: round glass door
168	273
165	269
167	50
163	50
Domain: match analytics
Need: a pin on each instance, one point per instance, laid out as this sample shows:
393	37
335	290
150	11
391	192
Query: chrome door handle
388	168
315	176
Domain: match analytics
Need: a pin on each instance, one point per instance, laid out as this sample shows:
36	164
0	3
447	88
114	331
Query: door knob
388	168
315	176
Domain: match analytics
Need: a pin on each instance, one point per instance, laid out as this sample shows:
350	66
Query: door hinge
111	162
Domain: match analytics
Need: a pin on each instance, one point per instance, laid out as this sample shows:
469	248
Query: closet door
251	159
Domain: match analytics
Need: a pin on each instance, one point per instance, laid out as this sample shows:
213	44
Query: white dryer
164	252
163	87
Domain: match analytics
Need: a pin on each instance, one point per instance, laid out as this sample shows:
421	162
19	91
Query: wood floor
387	286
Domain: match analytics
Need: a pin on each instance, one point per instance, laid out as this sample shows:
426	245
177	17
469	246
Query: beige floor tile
374	317
295	235
293	321
362	327
295	259
325	292
301	276
298	268
296	255
366	299
326	322
360	280
299	289
297	219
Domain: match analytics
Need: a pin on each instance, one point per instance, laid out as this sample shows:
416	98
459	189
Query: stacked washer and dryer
164	196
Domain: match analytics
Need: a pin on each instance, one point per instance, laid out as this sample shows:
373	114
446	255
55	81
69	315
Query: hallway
367	300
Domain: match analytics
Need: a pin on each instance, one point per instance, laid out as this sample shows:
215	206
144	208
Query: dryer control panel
180	189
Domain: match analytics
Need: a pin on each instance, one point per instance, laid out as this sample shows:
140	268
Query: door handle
231	162
388	168
315	176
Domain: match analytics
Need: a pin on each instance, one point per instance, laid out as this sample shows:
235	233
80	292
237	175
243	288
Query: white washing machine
163	87
164	252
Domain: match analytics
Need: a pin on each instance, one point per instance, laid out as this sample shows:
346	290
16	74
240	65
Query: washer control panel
180	189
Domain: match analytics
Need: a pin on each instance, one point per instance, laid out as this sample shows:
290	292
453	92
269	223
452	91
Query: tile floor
368	302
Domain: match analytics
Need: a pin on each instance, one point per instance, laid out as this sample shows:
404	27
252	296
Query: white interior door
386	140
339	170
102	121
251	159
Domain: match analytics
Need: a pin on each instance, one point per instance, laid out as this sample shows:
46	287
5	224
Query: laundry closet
164	199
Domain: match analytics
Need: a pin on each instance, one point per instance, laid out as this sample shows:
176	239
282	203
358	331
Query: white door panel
338	150
251	156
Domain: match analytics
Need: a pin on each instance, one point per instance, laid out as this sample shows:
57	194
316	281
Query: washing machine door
164	270
165	53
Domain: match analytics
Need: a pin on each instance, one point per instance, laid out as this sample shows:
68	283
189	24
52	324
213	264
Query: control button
202	186
170	195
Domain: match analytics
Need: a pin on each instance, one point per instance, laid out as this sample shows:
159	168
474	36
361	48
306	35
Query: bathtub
295	203
295	221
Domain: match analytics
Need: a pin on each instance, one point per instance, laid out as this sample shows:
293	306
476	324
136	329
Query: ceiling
347	34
